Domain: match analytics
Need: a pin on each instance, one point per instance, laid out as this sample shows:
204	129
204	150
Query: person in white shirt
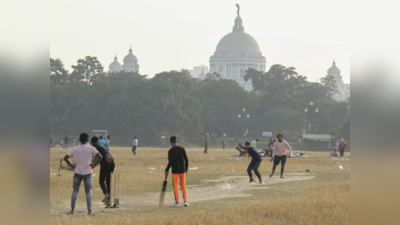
280	154
135	143
83	168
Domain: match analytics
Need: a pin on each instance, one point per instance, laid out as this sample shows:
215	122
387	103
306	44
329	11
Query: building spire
238	27
115	57
130	49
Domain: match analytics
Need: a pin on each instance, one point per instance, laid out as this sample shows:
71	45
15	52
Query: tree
87	70
58	74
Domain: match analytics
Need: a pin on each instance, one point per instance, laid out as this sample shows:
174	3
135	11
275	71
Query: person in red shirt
342	147
206	147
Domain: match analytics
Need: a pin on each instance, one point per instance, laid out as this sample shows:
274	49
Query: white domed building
341	94
130	63
235	53
115	66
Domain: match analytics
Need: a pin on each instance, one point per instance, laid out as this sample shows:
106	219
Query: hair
279	135
84	137
134	137
101	137
256	139
108	136
172	139
94	139
247	143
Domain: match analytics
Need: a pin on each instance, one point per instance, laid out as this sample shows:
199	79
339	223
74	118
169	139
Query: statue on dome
238	7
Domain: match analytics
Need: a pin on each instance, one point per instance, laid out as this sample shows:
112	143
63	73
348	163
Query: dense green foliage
128	104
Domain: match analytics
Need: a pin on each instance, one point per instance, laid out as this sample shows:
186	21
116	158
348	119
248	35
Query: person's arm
169	163
237	148
185	158
66	159
290	149
244	147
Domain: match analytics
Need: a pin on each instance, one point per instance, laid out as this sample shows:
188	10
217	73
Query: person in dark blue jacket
255	161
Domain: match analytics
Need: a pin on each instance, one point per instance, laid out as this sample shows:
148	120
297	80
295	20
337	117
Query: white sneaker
175	205
186	204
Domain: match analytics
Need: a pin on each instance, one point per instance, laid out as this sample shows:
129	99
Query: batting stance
179	162
255	161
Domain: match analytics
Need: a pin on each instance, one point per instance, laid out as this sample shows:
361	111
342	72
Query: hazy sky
180	34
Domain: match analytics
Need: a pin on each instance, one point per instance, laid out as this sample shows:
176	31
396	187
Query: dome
237	42
333	70
130	58
115	66
201	76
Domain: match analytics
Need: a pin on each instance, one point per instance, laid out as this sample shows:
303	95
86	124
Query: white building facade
130	63
235	53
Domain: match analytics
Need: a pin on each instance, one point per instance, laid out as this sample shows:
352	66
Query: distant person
223	144
62	144
254	144
51	142
66	139
205	146
108	142
162	143
74	142
334	153
135	144
342	146
255	161
178	160
83	169
107	166
280	154
103	143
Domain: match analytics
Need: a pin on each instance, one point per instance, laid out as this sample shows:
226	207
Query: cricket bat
245	134
164	187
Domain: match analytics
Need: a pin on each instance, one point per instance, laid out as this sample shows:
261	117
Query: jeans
341	152
254	165
66	146
134	150
205	150
105	171
87	180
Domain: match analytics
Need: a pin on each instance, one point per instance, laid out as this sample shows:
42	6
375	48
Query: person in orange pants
177	159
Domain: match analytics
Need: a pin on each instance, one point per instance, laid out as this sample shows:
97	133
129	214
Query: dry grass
324	199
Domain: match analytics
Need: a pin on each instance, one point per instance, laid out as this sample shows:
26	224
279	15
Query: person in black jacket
177	159
106	167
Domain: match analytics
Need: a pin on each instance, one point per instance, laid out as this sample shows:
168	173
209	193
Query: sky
181	34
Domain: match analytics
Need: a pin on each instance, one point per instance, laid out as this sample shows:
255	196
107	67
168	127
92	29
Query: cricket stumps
115	192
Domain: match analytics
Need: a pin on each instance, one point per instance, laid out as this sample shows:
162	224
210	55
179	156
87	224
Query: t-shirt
342	145
74	140
253	154
280	148
177	158
254	144
82	155
206	144
104	144
135	142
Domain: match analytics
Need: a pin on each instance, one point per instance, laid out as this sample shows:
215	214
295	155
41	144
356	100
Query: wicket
115	192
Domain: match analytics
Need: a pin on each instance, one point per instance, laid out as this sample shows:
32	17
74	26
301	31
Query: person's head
205	140
173	141
341	139
101	137
134	137
84	138
334	149
270	139
108	136
94	140
256	140
279	137
247	144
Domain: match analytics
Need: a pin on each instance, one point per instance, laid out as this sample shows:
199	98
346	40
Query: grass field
319	197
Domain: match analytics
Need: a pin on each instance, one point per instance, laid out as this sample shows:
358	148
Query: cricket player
255	161
279	155
178	160
83	169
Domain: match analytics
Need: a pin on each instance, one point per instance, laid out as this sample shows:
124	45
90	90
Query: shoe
251	181
186	204
175	205
106	196
107	202
260	182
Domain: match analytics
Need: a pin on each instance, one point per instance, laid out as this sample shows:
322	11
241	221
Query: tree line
174	103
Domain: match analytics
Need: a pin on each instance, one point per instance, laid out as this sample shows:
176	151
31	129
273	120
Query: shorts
278	159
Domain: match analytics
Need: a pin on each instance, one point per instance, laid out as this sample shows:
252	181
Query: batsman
178	160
